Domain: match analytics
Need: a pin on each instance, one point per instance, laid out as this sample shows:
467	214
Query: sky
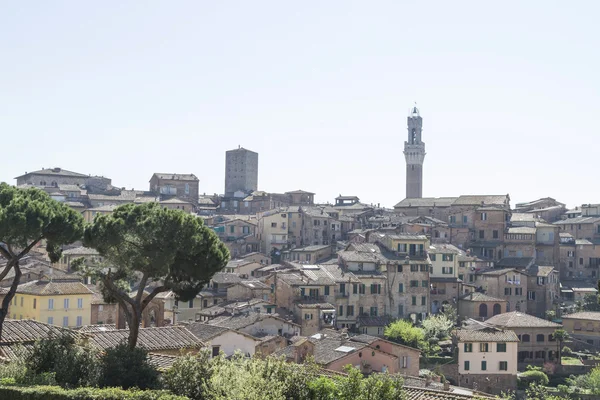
509	93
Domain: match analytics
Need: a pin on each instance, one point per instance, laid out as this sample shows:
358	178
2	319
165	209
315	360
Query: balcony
413	255
438	291
307	298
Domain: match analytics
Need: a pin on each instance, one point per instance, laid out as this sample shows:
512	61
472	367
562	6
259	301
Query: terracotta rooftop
151	339
26	330
486	334
589	315
516	319
52	288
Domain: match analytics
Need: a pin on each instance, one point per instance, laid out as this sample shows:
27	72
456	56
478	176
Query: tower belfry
414	152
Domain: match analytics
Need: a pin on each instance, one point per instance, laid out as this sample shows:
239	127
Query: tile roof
125	195
151	339
174	200
55	172
383	320
420	393
515	262
481	199
427	202
55	287
243	320
205	332
178	177
106	207
444	248
361	257
523	217
406	236
80	251
298	192
363	247
96	328
486	334
477	296
516	319
26	330
226	277
254	284
161	361
589	315
74	204
498	271
539	270
578	220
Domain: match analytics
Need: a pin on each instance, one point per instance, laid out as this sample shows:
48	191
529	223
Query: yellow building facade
62	303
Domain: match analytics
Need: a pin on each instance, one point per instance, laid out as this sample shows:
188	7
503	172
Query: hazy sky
509	93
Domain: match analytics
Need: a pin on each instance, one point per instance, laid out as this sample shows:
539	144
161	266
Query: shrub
60	360
127	368
188	375
567	351
531	377
58	393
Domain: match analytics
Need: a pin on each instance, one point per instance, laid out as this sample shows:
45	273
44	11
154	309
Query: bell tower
414	152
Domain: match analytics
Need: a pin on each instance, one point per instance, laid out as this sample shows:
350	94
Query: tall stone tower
414	151
241	171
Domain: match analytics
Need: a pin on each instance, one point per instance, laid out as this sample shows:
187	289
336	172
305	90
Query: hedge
58	393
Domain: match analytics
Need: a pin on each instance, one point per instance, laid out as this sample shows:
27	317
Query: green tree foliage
404	332
437	327
127	368
535	391
70	365
27	218
590	381
590	302
533	375
201	377
169	249
560	335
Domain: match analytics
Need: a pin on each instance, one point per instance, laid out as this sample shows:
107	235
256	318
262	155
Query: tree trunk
134	327
9	296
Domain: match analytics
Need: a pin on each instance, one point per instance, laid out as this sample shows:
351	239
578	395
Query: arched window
483	310
43	183
526	338
497	309
54	184
539	338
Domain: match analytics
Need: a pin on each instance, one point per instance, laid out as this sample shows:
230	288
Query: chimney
446	386
427	380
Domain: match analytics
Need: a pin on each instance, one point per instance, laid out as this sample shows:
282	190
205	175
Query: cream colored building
273	230
487	358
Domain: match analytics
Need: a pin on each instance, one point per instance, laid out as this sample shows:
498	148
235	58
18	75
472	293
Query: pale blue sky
509	93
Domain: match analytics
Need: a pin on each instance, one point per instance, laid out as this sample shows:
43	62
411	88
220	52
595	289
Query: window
580	261
467	365
191	303
484	347
507	291
551	338
518	291
361	289
350	311
424	268
399	268
539	338
414	283
400	311
483	216
308	316
342	288
501	347
481	234
484	365
326	290
495	234
66	304
354	288
465	220
447	270
526	338
273	224
360	311
447	257
231	229
50	320
452	219
432	257
21	301
50	304
404	362
424	284
423	300
414	300
79	303
34	303
216	350
530	295
65	321
100	307
468	347
373	311
414	268
341	311
79	320
401	288
503	365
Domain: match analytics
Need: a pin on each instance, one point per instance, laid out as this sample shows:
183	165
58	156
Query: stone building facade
184	186
241	171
